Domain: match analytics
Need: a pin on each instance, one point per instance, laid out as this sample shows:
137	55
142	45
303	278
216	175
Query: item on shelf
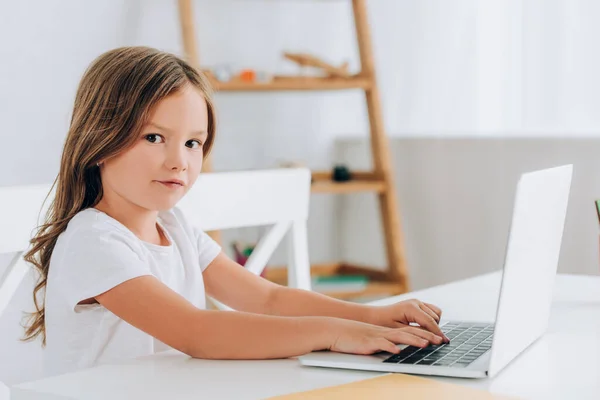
263	76
247	75
341	173
339	283
250	75
242	253
309	60
291	164
222	73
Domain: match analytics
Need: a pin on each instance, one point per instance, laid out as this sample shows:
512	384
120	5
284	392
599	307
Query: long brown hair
113	102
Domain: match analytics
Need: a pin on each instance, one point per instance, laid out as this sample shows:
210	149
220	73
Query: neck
141	221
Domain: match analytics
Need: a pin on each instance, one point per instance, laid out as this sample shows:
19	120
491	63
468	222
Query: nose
176	158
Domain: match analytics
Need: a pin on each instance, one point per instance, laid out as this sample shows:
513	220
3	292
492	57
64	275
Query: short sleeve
93	262
208	249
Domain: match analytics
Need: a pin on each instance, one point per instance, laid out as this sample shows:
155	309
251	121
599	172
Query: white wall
456	197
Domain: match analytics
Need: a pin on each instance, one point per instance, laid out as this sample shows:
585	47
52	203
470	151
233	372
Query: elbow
273	300
207	351
194	348
201	339
200	352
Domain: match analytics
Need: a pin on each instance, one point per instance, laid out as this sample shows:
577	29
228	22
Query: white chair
4	392
20	213
277	197
221	200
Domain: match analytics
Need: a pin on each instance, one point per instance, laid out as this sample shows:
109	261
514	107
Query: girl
123	275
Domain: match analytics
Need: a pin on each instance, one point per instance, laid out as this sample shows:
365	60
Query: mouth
172	184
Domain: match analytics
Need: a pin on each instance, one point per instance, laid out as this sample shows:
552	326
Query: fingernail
447	339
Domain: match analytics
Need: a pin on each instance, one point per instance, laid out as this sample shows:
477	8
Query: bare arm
151	306
232	284
235	286
296	302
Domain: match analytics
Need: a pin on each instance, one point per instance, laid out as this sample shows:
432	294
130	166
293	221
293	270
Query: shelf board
372	289
361	182
283	83
379	284
347	187
278	274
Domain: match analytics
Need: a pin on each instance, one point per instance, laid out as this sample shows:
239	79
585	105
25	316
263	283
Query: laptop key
402	355
411	360
449	360
408	351
461	363
468	342
395	358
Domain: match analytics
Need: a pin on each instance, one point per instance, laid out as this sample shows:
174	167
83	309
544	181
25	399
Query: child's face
168	149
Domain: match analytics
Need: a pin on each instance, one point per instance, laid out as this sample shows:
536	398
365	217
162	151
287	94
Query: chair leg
265	247
299	265
260	255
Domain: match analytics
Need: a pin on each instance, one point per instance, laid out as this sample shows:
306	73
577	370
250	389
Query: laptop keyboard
468	341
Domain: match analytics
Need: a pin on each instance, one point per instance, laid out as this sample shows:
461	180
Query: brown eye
154	138
193	144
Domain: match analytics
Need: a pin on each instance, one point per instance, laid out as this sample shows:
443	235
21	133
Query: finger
429	336
400	336
435	309
430	312
426	321
382	344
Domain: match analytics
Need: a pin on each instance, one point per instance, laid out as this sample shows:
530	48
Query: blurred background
474	93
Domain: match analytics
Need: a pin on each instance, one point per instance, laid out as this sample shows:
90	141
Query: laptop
479	349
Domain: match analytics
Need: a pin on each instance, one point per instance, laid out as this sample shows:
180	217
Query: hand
404	313
361	338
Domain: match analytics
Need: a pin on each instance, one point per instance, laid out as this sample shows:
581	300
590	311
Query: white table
565	362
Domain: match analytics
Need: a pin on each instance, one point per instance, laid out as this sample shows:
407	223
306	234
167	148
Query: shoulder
94	254
91	231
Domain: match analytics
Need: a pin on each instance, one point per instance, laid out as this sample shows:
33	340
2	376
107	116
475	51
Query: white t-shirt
96	253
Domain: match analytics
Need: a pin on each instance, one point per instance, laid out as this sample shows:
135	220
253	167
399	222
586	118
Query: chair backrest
4	392
220	200
277	197
22	208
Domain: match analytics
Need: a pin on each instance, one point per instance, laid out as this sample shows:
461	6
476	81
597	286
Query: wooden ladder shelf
395	279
